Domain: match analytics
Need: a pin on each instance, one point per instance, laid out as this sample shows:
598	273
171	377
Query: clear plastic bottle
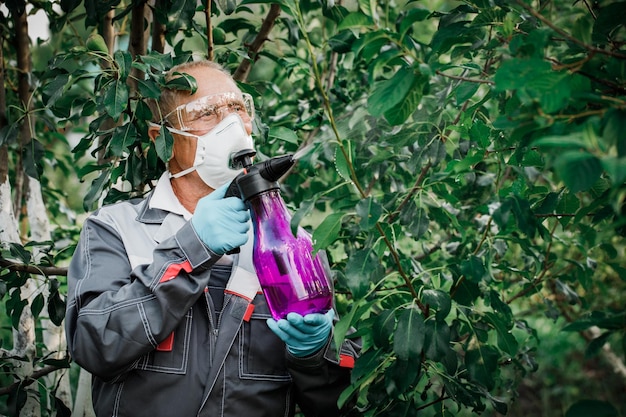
292	279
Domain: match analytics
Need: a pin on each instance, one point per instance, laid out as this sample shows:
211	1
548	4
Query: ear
154	131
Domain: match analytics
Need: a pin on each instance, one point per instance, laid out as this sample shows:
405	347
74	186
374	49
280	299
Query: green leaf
355	20
123	137
415	219
369	211
516	73
56	308
148	89
455	33
390	94
124	62
182	82
482	364
610	18
588	408
600	319
20	253
552	90
227	6
344	325
115	98
342	42
525	218
573	141
365	368
616	168
596	344
578	170
164	144
33	153
412	16
15	305
473	268
384	325
158	61
327	232
465	91
400	377
614	128
96	189
506	341
408	339
436	339
55	89
501	308
361	269
341	164
409	103
284	134
438	300
37	305
306	207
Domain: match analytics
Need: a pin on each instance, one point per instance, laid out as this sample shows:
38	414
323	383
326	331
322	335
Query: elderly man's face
217	96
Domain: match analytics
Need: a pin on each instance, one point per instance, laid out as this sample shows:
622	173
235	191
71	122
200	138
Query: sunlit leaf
284	134
439	301
328	231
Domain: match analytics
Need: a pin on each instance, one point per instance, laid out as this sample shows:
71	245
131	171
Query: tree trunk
53	335
24	336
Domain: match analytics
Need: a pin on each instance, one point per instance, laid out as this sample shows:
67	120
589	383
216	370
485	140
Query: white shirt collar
163	198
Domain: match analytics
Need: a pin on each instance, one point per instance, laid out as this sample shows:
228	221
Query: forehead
210	81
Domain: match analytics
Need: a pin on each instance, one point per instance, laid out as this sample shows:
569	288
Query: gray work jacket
140	319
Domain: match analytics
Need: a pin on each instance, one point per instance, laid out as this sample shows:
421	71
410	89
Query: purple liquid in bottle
291	278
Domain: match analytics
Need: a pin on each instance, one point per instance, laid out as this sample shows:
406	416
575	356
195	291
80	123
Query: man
168	322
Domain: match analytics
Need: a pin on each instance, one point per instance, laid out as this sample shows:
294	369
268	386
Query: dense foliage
462	162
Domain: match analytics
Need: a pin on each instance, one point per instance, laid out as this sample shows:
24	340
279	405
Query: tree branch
566	35
241	74
26	382
33	269
471	80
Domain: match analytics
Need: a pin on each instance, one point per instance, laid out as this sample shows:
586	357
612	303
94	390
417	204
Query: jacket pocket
261	352
174	358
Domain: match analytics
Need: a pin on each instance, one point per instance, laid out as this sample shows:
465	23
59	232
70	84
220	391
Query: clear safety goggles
206	112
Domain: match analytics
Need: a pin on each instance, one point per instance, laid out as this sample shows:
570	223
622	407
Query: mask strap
183	172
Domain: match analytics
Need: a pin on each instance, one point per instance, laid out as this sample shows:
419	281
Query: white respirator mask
215	149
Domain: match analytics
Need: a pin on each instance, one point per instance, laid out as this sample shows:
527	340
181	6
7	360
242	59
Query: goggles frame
208	106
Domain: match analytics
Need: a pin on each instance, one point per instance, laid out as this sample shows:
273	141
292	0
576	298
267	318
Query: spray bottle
292	279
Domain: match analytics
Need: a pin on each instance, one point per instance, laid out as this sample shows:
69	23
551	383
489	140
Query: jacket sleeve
115	314
320	379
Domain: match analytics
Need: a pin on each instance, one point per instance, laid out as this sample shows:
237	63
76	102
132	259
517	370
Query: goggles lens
208	111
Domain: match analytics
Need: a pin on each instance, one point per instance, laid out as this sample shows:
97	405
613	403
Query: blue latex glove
306	335
221	223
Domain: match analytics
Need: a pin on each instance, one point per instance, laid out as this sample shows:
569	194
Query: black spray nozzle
260	177
276	167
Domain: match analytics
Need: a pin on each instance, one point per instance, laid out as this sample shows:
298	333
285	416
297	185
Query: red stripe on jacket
173	270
